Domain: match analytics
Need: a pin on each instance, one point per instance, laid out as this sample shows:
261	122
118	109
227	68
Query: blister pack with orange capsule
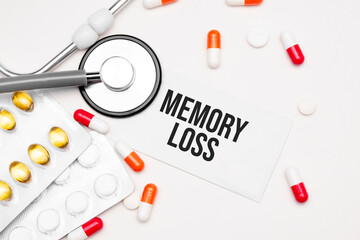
38	140
96	181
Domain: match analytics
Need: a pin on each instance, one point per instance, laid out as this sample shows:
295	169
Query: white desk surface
325	146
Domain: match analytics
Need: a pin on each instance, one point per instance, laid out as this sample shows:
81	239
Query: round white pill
48	220
77	203
20	233
306	106
90	156
257	37
132	202
105	185
63	177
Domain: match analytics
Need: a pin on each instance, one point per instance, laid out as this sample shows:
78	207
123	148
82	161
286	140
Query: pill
132	201
105	185
20	172
89	120
58	137
5	191
156	3
86	230
147	201
214	49
38	154
296	184
48	220
306	106
23	101
90	156
292	47
129	156
77	203
243	2
64	176
20	233
257	37
7	120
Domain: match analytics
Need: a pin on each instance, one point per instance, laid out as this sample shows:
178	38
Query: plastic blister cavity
31	159
78	195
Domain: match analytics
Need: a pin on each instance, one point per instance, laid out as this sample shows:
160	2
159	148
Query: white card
217	137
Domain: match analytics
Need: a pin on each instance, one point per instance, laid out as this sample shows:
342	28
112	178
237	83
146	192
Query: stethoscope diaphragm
131	75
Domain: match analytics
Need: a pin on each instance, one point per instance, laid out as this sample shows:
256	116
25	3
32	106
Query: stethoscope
118	75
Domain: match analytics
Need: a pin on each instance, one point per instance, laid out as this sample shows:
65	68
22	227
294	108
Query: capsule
58	137
7	120
296	184
90	121
86	230
38	154
292	47
156	3
5	191
20	172
243	2
23	101
214	49
147	201
129	156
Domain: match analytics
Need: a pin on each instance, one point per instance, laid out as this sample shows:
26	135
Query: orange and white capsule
86	230
147	201
129	156
214	49
243	2
156	3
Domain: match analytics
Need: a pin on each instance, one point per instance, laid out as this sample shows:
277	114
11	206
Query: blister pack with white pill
38	140
91	185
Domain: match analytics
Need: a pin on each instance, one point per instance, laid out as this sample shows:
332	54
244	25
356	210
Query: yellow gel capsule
58	137
38	154
23	101
7	120
20	172
5	191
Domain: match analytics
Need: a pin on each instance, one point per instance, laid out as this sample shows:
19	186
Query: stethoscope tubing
48	80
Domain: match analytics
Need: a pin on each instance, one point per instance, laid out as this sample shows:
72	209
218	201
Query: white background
324	147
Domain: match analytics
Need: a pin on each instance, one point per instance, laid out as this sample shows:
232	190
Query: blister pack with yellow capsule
38	140
96	181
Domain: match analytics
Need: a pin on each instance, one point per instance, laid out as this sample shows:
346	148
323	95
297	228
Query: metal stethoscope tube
64	53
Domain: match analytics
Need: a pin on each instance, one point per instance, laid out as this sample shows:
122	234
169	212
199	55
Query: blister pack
94	183
38	140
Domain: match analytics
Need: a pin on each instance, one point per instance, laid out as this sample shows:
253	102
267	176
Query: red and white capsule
147	201
156	3
92	122
129	156
86	230
214	49
296	184
243	2
292	47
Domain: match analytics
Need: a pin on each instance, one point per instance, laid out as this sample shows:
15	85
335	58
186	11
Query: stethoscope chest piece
130	73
